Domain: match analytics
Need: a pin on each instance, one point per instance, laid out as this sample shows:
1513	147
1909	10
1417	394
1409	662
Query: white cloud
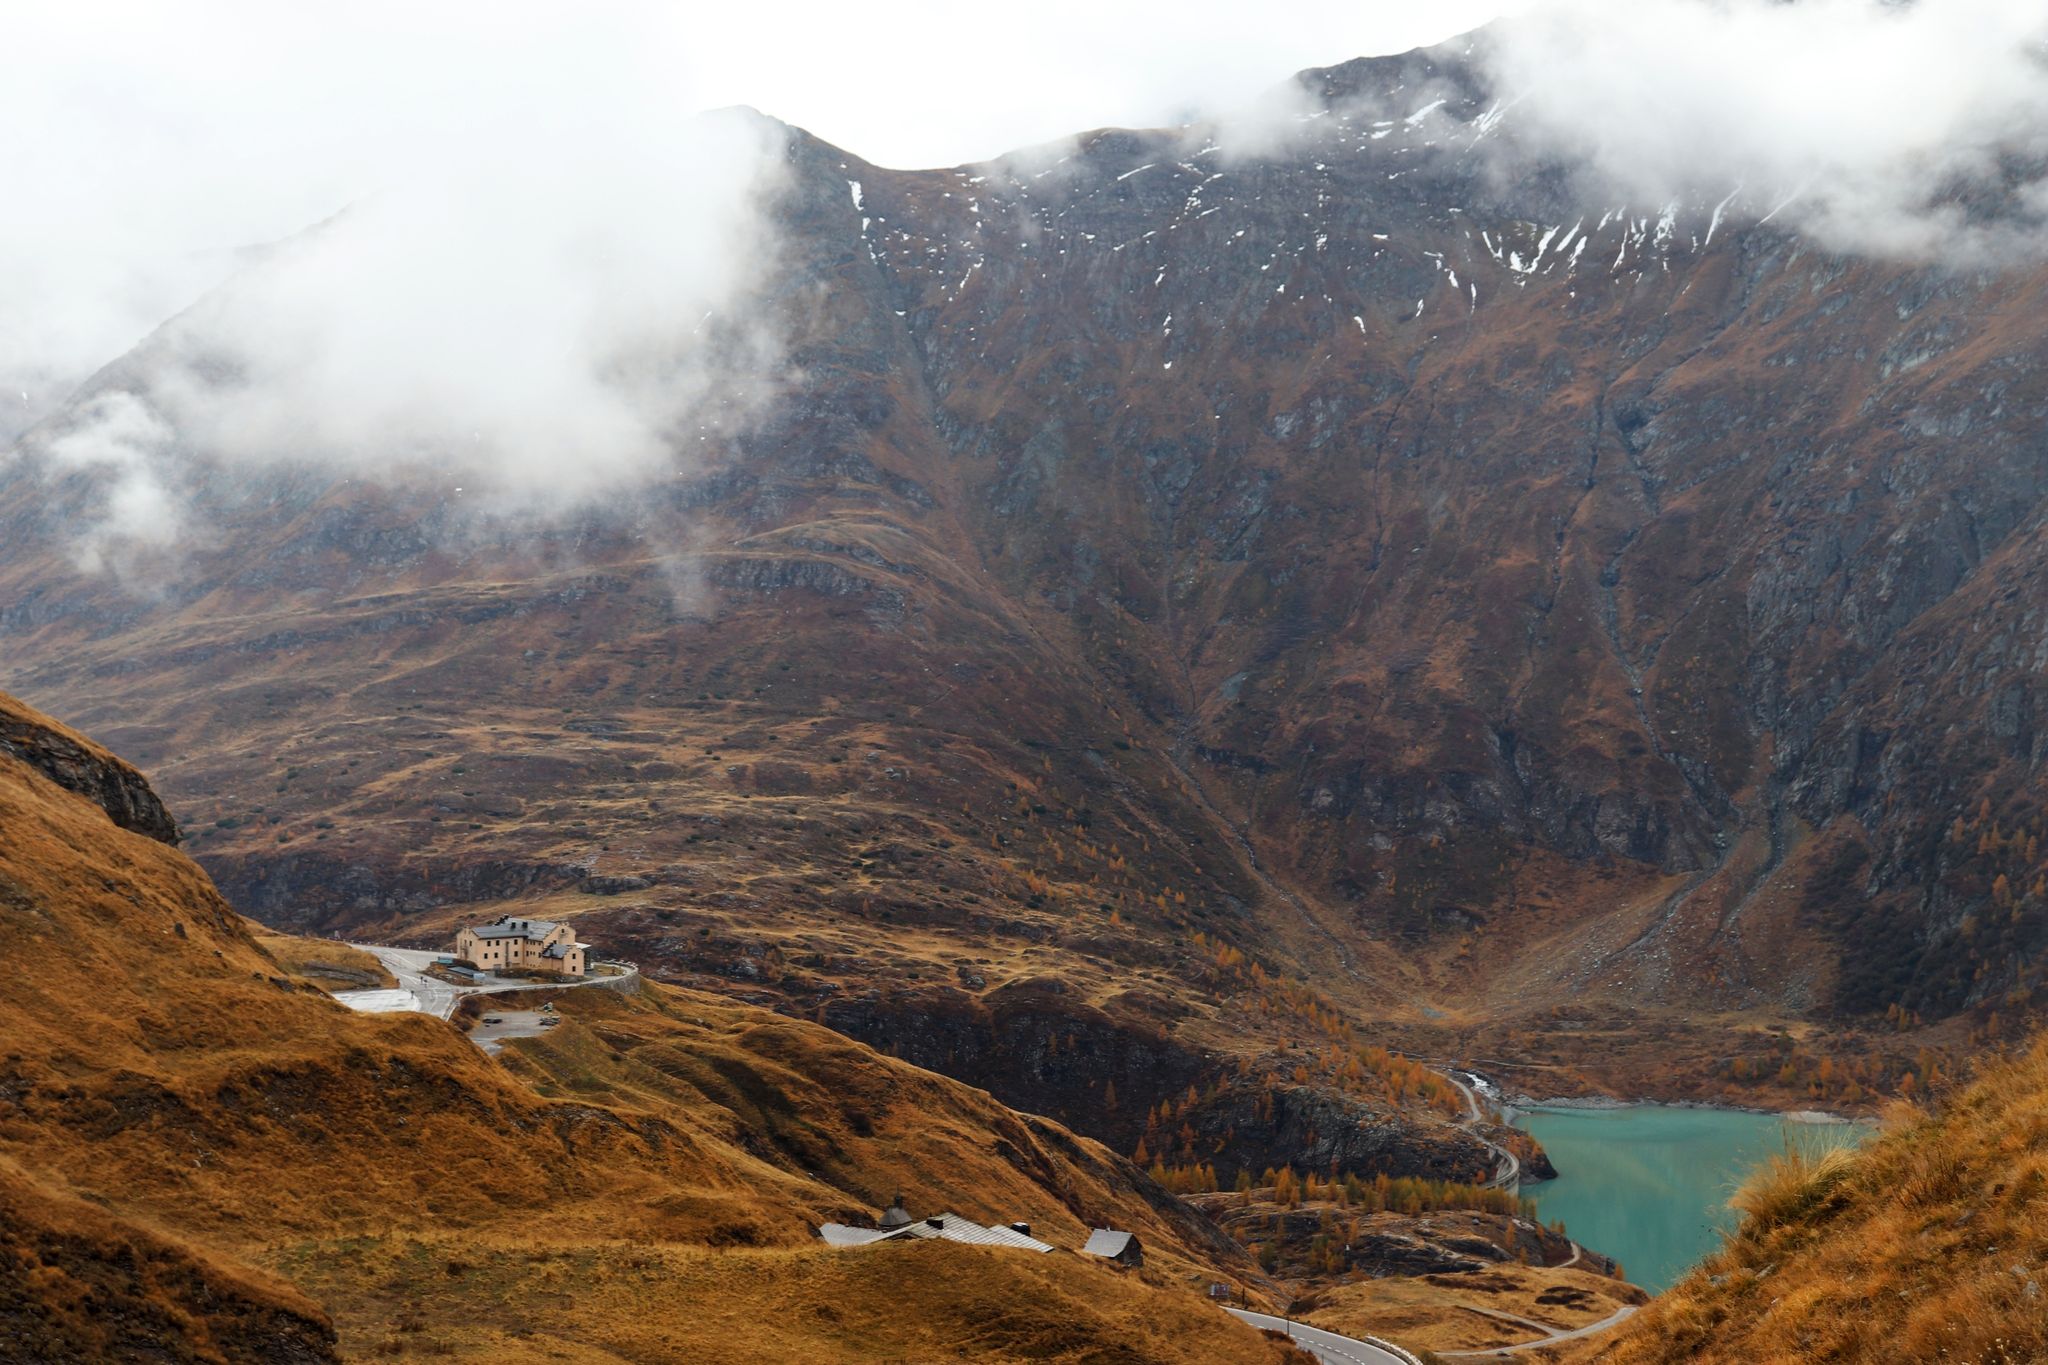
1858	120
529	274
147	144
126	443
546	320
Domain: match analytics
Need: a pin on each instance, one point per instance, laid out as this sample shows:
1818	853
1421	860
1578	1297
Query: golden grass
1792	1185
1437	1312
1929	1244
328	965
842	1128
498	1300
78	1284
163	1065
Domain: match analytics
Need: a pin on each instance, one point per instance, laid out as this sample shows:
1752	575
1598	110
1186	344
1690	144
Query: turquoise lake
1649	1184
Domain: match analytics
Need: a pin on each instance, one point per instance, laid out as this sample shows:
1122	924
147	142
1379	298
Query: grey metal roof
511	928
1106	1242
840	1235
947	1227
951	1227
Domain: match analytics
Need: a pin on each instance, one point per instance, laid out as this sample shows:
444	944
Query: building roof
509	927
1107	1242
951	1227
895	1216
948	1227
840	1235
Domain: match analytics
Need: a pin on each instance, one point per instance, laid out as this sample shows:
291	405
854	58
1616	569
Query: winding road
1328	1347
1553	1335
1507	1174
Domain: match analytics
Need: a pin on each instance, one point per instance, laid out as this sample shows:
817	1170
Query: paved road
1507	1175
433	997
430	995
1614	1319
1328	1347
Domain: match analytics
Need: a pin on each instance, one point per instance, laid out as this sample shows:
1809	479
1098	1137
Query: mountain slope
1374	552
77	1285
214	1116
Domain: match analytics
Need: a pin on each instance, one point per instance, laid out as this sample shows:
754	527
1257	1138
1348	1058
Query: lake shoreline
1649	1183
1569	1103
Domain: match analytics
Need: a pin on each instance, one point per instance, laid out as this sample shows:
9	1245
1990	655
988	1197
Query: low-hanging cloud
541	320
492	249
511	260
1913	129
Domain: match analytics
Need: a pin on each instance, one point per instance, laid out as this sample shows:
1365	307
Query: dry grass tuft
1793	1185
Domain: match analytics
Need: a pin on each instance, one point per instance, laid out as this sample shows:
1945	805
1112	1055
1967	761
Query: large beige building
522	945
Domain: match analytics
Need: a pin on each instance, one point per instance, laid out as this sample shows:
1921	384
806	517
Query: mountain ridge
1344	552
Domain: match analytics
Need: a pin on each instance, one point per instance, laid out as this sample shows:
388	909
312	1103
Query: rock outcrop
78	765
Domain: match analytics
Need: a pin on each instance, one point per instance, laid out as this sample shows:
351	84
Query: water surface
1649	1184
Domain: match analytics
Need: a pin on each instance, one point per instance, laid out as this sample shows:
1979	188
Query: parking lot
498	1025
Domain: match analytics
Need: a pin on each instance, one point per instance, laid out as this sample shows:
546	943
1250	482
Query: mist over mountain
1481	559
1531	549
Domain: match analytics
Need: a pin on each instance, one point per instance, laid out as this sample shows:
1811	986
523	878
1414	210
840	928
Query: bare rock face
1321	1130
79	765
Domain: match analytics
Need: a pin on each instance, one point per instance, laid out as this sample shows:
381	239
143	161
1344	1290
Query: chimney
1022	1227
935	1222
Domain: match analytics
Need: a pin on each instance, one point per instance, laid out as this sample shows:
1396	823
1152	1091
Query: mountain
1355	580
204	1159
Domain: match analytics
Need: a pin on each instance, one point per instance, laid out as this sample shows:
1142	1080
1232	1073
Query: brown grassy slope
1929	1244
155	1027
804	1099
914	1303
330	966
1450	1312
159	1064
78	1285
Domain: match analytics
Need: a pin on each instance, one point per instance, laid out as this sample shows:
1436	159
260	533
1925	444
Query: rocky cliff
78	765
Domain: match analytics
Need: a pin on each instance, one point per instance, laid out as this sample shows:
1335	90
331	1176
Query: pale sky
934	84
141	140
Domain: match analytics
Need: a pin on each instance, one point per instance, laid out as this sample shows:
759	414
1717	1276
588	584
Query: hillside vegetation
1929	1244
79	1285
174	1103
